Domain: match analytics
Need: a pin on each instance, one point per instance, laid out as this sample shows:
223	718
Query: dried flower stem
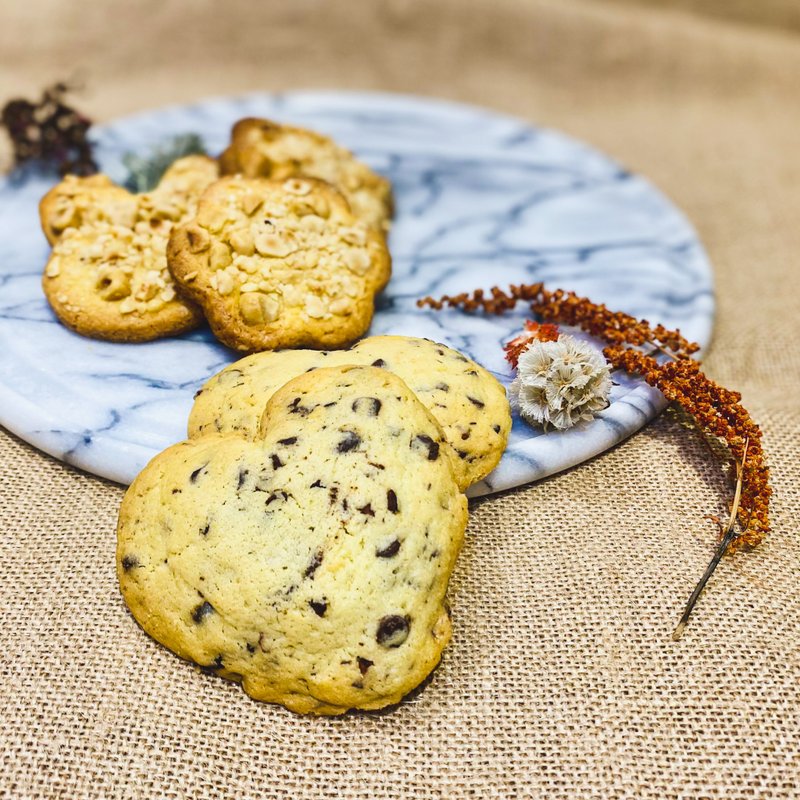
567	308
727	539
716	410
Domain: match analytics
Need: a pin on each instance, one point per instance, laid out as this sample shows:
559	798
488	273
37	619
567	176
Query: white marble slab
482	199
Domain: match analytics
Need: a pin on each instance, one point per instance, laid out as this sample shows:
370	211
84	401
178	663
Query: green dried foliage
145	171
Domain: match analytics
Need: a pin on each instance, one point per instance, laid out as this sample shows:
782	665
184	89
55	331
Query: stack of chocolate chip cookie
302	540
281	243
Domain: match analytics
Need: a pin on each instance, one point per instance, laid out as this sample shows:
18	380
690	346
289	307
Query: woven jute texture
561	680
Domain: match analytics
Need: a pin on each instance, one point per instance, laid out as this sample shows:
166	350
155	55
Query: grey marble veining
482	199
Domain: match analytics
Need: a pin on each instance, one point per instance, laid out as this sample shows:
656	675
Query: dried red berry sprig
719	412
716	410
49	132
566	308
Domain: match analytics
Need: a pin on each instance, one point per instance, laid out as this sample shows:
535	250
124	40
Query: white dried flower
561	383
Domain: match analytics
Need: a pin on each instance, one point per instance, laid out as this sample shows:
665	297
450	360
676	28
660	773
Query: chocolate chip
390	550
319	606
217	664
290	440
442	387
243	473
496	429
200	612
316	560
330	405
376	465
476	402
198	393
205	529
465	436
462	453
251	648
193	476
427	442
177	491
279	495
350	441
129	562
317	484
276	462
333	493
369	406
367	510
378	363
296	408
391	501
393	630
470	371
363	664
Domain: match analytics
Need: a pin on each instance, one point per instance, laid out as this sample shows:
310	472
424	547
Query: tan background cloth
562	680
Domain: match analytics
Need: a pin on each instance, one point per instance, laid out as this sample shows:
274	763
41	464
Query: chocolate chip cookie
467	401
311	562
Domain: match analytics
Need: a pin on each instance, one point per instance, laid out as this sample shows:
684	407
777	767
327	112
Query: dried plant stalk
727	538
717	411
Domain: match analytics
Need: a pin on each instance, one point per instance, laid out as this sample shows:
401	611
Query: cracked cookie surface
311	563
467	401
279	264
261	148
107	275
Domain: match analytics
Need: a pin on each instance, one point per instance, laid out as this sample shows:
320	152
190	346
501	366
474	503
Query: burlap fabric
561	680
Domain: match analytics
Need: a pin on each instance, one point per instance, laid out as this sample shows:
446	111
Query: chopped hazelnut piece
269	243
250	203
357	260
341	307
220	256
297	186
258	309
198	239
242	242
112	283
225	283
315	308
53	269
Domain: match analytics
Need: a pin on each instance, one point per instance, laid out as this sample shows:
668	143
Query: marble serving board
482	199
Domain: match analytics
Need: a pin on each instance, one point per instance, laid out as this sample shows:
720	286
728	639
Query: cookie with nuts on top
279	264
468	401
107	275
310	563
263	149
